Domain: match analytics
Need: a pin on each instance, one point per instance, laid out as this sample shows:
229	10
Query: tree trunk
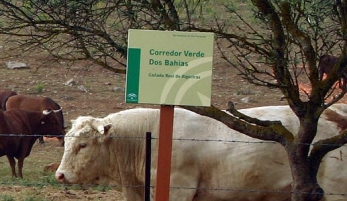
305	186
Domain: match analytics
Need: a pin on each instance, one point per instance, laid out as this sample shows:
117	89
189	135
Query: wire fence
175	139
172	188
36	184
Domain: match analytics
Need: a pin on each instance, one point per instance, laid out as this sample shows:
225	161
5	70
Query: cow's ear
107	128
103	129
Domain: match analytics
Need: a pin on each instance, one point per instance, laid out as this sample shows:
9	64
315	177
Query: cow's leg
321	73
344	82
184	179
20	167
61	140
41	141
13	165
184	185
130	194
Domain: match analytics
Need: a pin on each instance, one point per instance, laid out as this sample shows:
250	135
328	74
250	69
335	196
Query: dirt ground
98	92
91	90
82	90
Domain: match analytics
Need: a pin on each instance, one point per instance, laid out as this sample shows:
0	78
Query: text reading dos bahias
171	57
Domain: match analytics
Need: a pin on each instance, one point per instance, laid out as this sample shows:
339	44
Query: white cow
108	151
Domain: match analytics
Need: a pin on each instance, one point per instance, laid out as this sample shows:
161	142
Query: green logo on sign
132	98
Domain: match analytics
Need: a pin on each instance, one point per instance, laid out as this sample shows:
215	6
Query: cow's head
86	153
49	124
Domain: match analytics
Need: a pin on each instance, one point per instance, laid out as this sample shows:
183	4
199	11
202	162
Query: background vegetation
272	43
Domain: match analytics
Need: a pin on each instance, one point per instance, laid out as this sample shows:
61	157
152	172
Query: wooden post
164	153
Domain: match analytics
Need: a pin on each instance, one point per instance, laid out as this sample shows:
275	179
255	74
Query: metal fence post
148	167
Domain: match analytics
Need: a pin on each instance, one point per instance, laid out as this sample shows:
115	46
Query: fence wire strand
172	187
85	186
175	139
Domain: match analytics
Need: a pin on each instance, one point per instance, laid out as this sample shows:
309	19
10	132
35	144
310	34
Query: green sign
169	67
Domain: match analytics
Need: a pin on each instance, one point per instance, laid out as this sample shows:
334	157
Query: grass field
33	173
38	185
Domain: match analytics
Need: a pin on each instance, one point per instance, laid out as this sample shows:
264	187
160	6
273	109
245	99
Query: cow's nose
60	177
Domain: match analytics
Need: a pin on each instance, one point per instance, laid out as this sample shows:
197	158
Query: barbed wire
257	141
85	186
172	187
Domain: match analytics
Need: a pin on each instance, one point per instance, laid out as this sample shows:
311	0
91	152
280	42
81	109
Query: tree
94	30
293	31
287	37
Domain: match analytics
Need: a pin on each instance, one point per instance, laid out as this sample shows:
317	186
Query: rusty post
164	153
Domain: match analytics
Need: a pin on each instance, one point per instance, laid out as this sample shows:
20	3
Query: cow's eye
82	145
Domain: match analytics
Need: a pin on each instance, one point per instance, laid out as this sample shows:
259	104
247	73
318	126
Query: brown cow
326	63
20	129
4	95
36	104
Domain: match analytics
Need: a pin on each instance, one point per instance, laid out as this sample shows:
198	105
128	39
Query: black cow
19	129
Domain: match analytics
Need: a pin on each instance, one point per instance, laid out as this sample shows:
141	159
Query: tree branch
266	130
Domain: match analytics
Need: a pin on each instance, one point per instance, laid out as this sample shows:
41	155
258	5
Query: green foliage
39	88
34	198
50	180
26	195
6	197
103	188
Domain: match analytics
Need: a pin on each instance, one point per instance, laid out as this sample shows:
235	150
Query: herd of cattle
210	161
24	119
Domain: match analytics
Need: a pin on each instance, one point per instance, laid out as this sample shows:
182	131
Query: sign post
168	68
164	152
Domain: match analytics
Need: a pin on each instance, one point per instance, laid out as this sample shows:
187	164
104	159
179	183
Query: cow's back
207	154
251	164
4	95
227	159
31	103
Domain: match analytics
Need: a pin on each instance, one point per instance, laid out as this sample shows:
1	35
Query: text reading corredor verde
170	61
